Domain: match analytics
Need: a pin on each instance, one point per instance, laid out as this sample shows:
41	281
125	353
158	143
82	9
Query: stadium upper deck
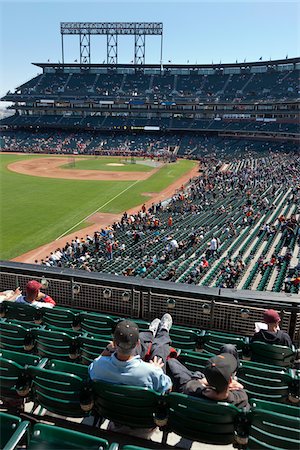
246	100
273	80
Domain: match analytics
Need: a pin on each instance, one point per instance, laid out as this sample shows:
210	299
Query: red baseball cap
32	288
271	316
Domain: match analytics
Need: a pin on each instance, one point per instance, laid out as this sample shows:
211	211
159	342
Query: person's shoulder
238	398
194	388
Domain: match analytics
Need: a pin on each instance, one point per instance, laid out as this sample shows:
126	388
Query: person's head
219	371
126	337
32	290
271	318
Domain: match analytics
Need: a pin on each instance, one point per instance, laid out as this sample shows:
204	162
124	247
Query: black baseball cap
126	335
219	369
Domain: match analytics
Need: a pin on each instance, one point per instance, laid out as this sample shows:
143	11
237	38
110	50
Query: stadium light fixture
126	296
44	282
171	303
76	289
245	313
107	293
206	308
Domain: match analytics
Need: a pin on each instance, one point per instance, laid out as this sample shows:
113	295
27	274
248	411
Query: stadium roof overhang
179	66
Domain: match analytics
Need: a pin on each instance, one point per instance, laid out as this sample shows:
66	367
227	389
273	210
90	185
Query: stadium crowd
234	200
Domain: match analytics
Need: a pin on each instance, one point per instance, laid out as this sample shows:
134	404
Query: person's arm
15	295
45	298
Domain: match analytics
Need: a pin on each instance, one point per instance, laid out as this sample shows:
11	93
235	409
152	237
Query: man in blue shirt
123	363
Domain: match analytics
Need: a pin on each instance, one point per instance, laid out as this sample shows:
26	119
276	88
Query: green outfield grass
35	210
101	163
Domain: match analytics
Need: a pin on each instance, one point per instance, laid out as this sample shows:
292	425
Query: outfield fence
228	310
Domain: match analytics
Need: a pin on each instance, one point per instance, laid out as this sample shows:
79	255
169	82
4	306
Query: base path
101	220
50	168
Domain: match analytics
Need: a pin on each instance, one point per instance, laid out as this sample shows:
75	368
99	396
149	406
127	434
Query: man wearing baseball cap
34	297
272	335
216	383
122	363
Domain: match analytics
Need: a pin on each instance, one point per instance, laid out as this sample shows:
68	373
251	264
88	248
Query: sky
196	31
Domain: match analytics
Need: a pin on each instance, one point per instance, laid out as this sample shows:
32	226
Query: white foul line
96	210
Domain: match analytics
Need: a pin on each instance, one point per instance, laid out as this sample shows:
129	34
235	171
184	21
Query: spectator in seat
122	361
216	383
273	334
34	297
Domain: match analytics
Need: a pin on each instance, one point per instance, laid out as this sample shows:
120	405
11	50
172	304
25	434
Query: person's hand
234	385
158	362
18	291
109	350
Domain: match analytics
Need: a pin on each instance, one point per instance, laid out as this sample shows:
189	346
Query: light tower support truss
112	30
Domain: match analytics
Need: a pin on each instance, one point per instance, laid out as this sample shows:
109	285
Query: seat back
213	342
91	348
183	338
277	355
97	324
23	359
269	385
20	311
202	420
53	437
12	336
68	367
194	360
54	344
8	425
58	392
59	317
128	405
273	430
287	410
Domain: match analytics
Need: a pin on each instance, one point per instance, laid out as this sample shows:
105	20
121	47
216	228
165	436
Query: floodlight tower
112	30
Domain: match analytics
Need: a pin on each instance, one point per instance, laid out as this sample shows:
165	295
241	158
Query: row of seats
113	123
165	86
22	325
266	425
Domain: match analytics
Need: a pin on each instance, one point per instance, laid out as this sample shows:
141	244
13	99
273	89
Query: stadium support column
62	49
139	48
112	48
161	53
85	48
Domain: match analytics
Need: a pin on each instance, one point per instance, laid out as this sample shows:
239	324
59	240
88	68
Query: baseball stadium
143	191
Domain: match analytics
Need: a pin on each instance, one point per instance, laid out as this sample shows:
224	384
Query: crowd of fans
157	241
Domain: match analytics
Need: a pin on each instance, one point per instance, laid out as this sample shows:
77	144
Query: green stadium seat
131	406
97	324
277	355
12	430
212	342
201	420
91	348
57	392
273	428
272	385
15	337
20	311
50	437
59	317
67	367
55	344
